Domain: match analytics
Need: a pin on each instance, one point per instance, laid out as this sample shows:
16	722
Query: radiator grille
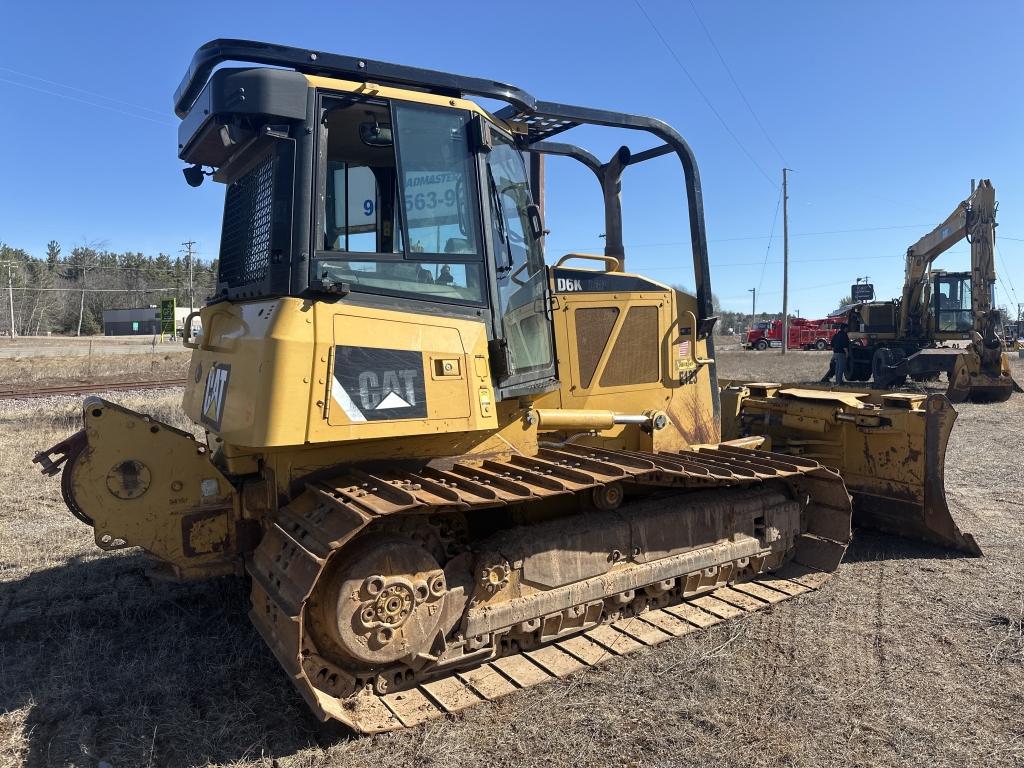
593	328
245	239
634	358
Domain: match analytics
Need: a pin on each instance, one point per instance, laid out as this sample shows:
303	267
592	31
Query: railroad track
11	393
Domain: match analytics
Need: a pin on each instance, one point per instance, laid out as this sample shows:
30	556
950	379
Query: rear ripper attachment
890	449
140	482
396	597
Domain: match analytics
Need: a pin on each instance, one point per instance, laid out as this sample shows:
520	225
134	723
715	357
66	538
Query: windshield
953	302
400	203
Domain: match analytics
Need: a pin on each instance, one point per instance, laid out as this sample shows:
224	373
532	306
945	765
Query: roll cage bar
538	122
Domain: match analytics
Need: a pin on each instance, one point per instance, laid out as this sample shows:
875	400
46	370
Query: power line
77	289
1009	301
723	265
707	101
752	237
85	101
66	265
824	232
809	288
739	90
161	112
1006	272
791	290
771	234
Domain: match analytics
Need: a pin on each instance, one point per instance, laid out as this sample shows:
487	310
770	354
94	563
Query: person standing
840	349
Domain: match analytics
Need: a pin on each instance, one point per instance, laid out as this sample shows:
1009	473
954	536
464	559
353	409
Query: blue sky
883	110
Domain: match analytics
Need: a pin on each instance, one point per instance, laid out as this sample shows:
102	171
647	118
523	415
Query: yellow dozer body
448	470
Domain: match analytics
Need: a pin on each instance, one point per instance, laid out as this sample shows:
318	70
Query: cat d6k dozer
447	470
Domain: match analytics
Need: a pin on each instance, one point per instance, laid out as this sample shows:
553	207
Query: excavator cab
951	298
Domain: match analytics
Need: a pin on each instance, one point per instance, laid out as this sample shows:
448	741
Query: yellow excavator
907	337
448	470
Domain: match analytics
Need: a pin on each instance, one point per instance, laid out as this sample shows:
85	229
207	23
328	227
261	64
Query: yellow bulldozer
448	470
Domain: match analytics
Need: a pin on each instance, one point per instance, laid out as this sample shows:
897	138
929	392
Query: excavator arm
981	234
975	219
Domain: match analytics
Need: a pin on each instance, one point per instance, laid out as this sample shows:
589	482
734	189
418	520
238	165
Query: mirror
375	135
536	225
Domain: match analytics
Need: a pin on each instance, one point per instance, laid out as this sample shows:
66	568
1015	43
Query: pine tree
52	255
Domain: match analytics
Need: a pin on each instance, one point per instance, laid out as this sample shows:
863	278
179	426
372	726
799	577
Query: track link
508	674
319	523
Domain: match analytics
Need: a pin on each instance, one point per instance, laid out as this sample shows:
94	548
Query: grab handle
612	263
186	331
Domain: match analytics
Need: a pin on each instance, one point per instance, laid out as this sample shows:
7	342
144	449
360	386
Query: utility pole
81	305
10	294
753	305
188	255
785	260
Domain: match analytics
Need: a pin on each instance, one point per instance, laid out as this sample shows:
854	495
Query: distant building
139	321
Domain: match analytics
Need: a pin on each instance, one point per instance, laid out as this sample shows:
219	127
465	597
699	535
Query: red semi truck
803	334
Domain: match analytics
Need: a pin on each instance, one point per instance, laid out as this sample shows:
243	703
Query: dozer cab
448	470
910	336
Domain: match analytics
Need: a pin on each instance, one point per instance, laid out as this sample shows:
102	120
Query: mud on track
910	655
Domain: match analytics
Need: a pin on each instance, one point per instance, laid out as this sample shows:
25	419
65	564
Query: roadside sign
862	292
167	316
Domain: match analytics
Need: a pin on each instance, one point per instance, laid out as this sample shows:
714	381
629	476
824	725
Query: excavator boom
974	218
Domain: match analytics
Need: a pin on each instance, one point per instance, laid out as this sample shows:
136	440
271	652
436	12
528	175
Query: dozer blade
889	448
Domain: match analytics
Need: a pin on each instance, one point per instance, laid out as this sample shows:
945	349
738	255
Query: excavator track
343	584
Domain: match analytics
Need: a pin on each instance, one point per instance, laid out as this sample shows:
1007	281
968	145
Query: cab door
522	353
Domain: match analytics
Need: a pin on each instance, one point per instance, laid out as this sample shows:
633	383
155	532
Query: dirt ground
910	655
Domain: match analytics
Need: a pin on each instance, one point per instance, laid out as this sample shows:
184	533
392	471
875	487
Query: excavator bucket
971	380
889	448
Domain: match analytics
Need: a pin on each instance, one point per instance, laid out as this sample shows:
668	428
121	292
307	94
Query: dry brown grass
909	656
167	362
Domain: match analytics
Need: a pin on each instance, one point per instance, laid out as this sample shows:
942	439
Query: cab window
953	303
400	212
